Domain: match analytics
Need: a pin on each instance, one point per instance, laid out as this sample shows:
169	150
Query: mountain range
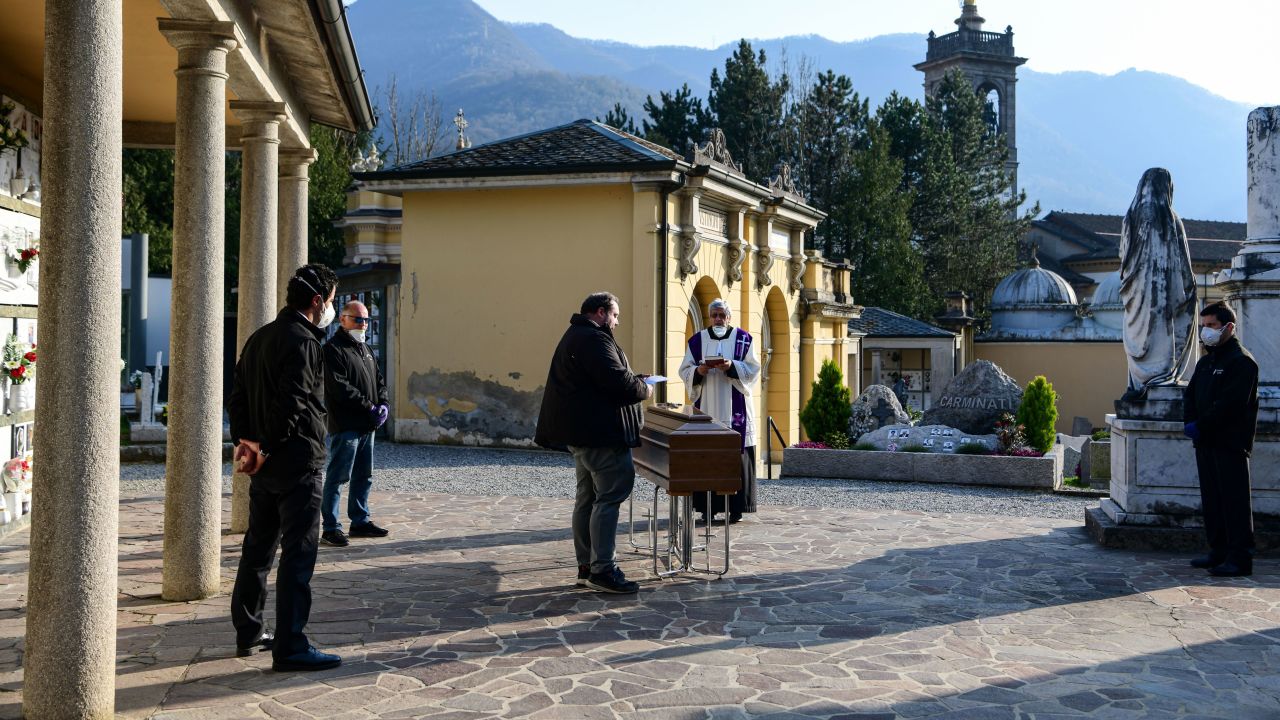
1084	139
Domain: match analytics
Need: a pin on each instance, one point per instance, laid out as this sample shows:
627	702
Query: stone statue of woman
1157	287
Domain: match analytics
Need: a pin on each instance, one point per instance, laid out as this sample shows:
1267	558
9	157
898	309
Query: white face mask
328	316
1210	336
357	335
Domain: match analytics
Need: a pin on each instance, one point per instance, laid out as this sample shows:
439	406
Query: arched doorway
696	318
776	369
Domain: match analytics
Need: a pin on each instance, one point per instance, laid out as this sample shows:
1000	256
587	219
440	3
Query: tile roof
878	322
1210	241
579	146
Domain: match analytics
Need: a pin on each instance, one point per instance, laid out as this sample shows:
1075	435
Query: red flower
17	372
29	357
26	465
29	253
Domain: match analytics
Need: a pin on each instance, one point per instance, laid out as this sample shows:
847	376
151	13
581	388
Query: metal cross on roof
461	123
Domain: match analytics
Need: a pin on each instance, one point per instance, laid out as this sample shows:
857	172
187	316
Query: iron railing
768	445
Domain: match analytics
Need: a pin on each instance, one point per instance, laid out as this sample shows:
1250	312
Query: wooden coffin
684	451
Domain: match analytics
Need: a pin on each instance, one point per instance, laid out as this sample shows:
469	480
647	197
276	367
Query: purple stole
740	348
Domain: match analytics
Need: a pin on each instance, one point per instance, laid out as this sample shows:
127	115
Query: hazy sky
1227	46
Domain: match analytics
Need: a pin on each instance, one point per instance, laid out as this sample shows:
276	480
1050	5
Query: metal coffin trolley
683	451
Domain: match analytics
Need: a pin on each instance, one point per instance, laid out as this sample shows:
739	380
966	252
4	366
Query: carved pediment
782	184
714	151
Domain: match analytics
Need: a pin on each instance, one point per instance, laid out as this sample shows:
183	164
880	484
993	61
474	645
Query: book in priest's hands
714	360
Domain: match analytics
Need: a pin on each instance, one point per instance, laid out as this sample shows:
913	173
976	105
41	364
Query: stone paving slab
468	610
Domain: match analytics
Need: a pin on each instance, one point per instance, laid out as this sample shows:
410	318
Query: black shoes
336	538
584	572
311	659
264	642
1206	562
735	518
368	530
612	582
1232	569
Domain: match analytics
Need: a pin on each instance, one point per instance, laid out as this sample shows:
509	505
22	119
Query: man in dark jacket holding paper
1220	411
355	394
591	407
277	421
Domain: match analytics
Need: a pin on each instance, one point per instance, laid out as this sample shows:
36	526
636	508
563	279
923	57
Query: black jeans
286	513
605	478
1226	501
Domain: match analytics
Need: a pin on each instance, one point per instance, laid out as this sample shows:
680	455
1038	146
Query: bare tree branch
412	128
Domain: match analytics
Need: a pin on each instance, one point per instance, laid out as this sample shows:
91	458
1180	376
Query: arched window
991	110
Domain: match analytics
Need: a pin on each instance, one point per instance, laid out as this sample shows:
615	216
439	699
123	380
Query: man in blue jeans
591	407
356	398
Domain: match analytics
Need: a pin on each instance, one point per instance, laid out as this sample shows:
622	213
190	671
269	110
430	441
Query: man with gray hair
356	395
720	371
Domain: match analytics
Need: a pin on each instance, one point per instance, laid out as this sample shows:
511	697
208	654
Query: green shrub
1038	413
973	449
1074	481
915	448
865	446
837	441
1101	435
829	407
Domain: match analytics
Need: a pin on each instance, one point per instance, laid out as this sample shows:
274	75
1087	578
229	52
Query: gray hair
722	304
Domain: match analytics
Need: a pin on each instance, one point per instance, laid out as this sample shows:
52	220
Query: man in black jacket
591	407
277	421
1220	416
356	397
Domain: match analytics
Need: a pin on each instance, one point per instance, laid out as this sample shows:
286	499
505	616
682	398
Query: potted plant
20	369
12	138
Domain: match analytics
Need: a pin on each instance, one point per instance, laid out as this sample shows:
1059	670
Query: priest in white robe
721	371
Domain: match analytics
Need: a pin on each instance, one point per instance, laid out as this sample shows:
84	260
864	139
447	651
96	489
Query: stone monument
147	429
975	399
876	407
1158	290
1155	490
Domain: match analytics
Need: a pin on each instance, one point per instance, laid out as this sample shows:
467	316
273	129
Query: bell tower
987	59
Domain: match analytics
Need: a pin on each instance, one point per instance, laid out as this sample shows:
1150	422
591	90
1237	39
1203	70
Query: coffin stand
683	451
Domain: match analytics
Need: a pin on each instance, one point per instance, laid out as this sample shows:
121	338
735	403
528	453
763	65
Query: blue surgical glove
382	411
1191	431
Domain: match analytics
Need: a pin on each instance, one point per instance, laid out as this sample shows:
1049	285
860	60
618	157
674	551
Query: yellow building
500	243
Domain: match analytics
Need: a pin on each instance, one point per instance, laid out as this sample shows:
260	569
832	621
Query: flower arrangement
812	445
1010	435
24	257
19	360
135	379
15	475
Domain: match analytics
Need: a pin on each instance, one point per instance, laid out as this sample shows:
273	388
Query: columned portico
259	222
193	477
295	164
71	613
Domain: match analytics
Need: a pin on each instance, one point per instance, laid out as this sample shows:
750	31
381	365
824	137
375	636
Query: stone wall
996	470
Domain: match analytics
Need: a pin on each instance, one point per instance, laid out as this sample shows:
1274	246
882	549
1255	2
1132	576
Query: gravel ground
482	471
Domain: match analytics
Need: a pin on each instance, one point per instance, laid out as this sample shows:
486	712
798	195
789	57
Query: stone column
259	212
193	473
70	662
294	182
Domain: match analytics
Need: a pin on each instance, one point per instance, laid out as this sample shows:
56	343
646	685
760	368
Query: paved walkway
468	610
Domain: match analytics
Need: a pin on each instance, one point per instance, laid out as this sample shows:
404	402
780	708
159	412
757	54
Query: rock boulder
975	399
867	415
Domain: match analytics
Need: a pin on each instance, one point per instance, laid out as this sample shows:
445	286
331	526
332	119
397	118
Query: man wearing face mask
1220	411
720	371
356	396
277	420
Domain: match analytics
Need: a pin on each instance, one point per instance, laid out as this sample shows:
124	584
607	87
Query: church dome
1032	286
1106	306
1107	295
1032	300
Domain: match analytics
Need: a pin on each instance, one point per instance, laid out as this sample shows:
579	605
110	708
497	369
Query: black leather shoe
263	643
312	659
1231	569
735	518
1207	562
367	530
336	538
584	572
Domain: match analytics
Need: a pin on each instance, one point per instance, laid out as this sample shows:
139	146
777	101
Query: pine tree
829	407
748	106
827	124
678	119
619	118
1038	413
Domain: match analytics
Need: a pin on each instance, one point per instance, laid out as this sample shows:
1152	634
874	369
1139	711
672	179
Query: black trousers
285	513
1225	497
